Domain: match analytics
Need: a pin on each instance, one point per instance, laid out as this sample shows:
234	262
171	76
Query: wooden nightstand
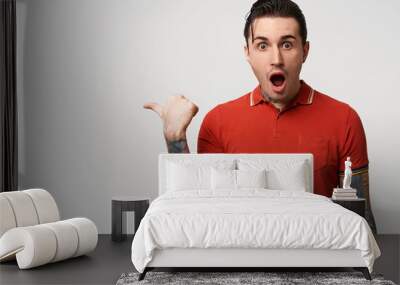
355	205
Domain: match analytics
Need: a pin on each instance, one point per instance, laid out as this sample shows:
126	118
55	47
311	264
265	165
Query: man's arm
360	181
176	116
208	140
177	146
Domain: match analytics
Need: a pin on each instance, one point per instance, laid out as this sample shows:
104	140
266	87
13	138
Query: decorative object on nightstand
121	204
347	196
345	193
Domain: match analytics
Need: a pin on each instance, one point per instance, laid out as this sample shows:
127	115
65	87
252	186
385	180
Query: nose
277	59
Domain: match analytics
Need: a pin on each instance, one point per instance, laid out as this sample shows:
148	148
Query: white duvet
250	218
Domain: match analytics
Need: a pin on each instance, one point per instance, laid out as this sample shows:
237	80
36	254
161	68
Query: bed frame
242	259
246	258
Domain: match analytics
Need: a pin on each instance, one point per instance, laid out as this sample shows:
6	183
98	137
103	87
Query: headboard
165	157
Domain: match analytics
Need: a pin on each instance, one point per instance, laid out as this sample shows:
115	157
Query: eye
287	45
262	46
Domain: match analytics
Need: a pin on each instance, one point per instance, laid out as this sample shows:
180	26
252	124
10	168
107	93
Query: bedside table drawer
357	206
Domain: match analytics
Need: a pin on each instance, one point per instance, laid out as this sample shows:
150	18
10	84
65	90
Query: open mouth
277	79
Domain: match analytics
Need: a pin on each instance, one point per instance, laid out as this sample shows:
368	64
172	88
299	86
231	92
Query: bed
247	210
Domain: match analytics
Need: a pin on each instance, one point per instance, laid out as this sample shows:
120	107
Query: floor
111	259
102	266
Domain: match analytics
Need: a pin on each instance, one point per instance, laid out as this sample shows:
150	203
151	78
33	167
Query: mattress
251	219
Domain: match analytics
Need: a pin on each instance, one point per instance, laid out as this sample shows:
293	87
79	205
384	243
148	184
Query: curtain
8	104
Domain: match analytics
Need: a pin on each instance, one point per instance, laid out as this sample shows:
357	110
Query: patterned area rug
229	278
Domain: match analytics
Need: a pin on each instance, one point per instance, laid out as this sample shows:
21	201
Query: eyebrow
266	39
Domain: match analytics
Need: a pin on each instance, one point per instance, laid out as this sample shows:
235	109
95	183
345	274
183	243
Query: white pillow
251	178
188	175
281	174
237	179
223	179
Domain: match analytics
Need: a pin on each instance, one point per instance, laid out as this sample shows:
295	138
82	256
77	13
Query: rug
269	278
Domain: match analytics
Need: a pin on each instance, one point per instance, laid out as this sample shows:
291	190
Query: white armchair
32	233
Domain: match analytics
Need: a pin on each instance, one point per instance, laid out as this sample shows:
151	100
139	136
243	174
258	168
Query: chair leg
364	271
143	274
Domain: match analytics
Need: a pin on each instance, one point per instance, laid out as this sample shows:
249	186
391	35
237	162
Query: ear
306	49
246	53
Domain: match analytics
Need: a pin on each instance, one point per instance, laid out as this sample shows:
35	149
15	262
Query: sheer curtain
8	104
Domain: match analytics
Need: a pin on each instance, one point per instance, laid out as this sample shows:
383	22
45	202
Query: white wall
86	67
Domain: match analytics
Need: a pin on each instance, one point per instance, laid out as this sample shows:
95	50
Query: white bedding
250	218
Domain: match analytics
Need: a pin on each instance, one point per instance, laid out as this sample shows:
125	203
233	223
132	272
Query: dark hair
275	8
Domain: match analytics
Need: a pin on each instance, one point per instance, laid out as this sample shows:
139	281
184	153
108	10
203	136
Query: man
281	115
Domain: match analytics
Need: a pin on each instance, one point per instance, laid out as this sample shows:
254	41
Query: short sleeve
355	143
207	140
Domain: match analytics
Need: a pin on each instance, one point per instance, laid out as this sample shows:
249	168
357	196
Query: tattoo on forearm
360	181
179	146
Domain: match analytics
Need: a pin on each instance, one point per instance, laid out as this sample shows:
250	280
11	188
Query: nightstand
355	205
121	204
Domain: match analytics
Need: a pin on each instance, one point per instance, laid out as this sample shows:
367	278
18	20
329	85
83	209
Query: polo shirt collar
304	97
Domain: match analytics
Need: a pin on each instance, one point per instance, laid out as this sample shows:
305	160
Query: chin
278	97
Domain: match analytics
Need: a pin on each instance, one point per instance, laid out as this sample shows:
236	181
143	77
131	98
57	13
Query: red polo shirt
313	123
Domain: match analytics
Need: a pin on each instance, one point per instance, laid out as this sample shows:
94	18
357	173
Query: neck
282	104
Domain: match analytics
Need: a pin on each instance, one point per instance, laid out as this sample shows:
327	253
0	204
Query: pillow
237	179
223	179
281	174
191	174
251	178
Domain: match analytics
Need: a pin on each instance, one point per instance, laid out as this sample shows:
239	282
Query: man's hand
176	116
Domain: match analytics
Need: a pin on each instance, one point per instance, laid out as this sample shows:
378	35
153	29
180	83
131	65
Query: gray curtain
8	103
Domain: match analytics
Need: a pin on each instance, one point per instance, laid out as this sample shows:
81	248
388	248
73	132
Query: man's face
276	54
